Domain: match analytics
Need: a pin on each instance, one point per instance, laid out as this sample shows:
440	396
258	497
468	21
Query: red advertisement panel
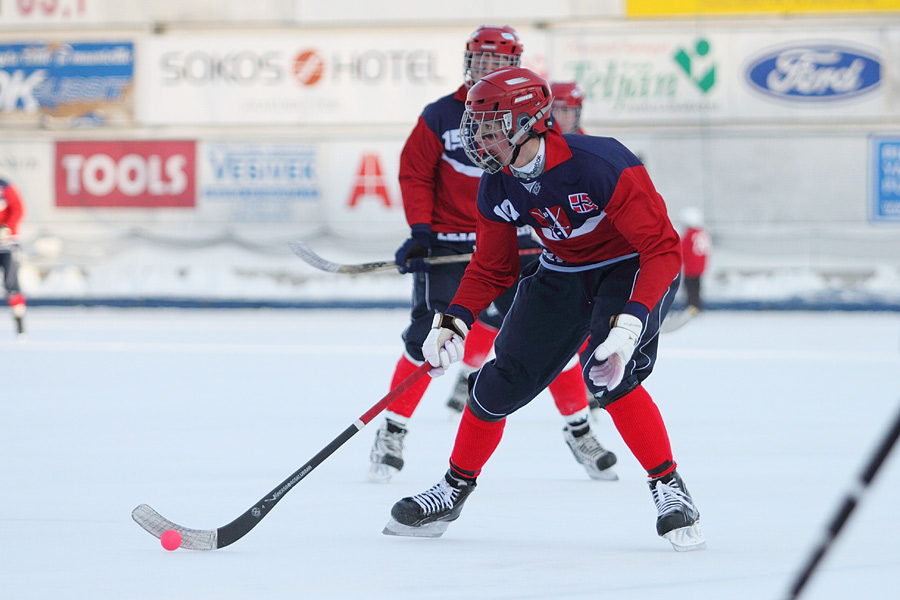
125	174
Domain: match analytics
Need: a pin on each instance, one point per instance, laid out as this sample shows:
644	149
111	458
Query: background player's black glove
410	255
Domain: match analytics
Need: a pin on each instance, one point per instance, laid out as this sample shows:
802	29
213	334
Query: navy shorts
9	267
551	316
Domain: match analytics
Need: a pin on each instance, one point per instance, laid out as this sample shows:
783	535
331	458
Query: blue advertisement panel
885	179
75	84
259	182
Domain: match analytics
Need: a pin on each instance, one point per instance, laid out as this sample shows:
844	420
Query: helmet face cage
567	101
503	110
490	48
567	117
478	64
486	138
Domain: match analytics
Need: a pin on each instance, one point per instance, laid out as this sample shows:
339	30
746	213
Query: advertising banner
656	8
892	72
29	165
664	76
811	76
294	79
125	174
722	76
362	193
339	78
66	84
885	183
259	182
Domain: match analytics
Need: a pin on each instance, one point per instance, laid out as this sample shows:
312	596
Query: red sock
16	299
569	392
476	440
641	426
406	404
478	344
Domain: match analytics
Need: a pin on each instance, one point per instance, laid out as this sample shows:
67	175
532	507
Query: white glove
444	344
7	239
615	351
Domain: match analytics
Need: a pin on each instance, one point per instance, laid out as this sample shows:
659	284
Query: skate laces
669	497
441	496
586	446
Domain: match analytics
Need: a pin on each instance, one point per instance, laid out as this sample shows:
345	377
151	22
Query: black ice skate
678	519
459	396
386	457
429	514
595	459
19	316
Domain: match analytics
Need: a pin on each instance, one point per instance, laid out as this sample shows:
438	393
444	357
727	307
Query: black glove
410	255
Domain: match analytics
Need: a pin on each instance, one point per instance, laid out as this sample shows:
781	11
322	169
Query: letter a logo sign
369	181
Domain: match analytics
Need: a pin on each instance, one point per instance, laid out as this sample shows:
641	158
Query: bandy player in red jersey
439	184
568	99
609	273
695	248
11	212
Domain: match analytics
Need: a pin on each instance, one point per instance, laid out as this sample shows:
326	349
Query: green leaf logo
691	63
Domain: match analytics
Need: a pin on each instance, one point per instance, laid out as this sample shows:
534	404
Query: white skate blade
604	475
687	539
380	473
431	530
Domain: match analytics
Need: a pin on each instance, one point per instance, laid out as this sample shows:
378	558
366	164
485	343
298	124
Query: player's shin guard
568	391
479	343
386	455
476	441
404	406
638	421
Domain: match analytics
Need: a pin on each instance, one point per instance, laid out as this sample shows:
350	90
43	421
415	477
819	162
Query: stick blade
191	539
311	258
675	321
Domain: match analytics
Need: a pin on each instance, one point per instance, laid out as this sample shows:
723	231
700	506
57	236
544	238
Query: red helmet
503	110
567	93
490	48
567	101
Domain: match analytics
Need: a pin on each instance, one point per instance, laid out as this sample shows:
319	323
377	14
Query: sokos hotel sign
325	79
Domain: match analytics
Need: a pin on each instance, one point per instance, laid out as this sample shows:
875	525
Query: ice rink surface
200	413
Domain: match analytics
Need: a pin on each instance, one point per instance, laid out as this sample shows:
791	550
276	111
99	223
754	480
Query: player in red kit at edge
11	212
695	248
566	110
609	273
439	184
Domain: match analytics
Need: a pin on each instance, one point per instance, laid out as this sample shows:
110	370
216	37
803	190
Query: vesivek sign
814	72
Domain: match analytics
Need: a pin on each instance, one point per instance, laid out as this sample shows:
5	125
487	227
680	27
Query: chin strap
538	163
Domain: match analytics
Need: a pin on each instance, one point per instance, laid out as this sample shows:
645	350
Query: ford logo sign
815	71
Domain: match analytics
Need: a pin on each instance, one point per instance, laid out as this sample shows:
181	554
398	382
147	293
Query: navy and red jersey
695	247
593	205
437	180
11	208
